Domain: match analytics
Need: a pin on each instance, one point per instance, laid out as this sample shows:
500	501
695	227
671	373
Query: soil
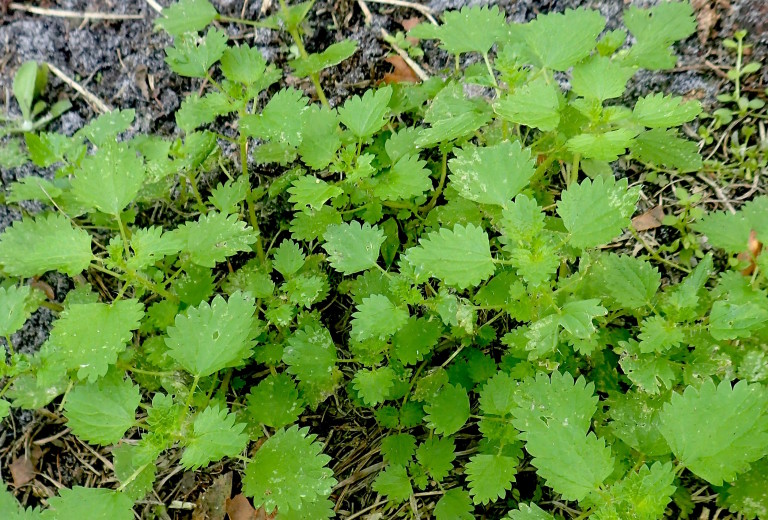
122	63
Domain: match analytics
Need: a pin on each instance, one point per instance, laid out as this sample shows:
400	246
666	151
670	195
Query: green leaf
192	56
288	471
150	245
186	16
24	88
635	419
665	148
536	104
11	154
643	495
227	197
655	30
311	192
606	146
215	435
102	412
364	116
629	281
730	231
110	179
211	337
243	64
497	395
311	356
660	111
455	504
288	258
448	410
490	476
452	115
393	483
659	335
352	247
100	131
650	373
530	512
332	55
281	120
747	494
472	29
492	174
80	502
321	137
306	289
88	337
14	308
398	448
560	40
408	178
214	237
275	401
33	247
416	339
374	386
600	78
594	212
732	320
716	432
197	111
436	456
135	468
460	257
367	320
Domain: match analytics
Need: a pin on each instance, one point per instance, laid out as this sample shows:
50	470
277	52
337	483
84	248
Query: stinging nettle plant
484	322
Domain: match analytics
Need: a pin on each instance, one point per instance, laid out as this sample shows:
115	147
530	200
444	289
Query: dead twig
97	103
718	192
426	11
154	5
63	13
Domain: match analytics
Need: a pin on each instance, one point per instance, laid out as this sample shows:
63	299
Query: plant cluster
443	261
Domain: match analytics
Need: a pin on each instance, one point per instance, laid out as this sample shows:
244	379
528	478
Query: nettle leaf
192	56
492	174
281	119
211	337
186	16
472	29
497	395
606	146
227	197
643	494
490	476
14	308
408	178
352	247
536	104
600	78
448	410
436	456
460	257
594	212
243	64
398	448
150	245
135	467
560	40
288	472
275	401
730	231
747	494
733	320
629	281
214	435
88	337
416	338
393	483
650	373
455	504
717	431
214	237
102	412
311	192
660	111
100	131
33	247
80	502
367	320
364	116
288	258
332	55
666	148
311	356
530	512
452	115
374	386
197	111
659	335
321	139
655	30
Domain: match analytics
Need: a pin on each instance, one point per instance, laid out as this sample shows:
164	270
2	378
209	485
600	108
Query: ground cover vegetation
449	264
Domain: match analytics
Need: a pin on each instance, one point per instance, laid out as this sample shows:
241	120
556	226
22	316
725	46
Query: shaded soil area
122	63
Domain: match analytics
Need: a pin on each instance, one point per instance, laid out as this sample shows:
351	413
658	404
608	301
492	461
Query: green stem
315	77
191	394
123	235
491	75
573	175
440	185
193	184
10	345
656	256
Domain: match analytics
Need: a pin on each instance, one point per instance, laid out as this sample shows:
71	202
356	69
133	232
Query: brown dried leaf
651	219
706	17
240	508
754	248
408	24
402	73
22	471
212	504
